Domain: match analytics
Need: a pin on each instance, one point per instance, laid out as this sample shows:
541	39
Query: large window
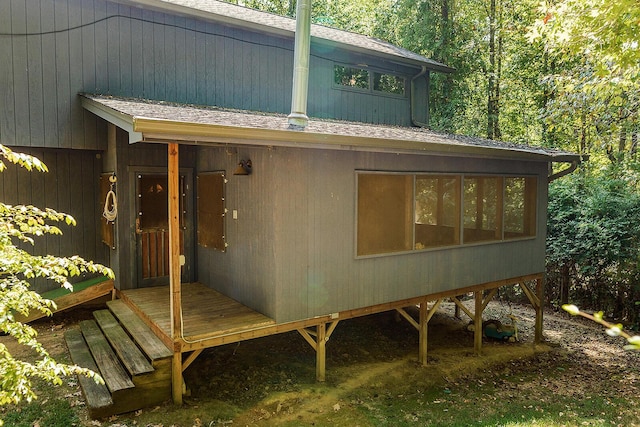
405	212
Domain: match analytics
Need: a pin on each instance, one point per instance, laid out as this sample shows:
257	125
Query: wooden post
422	330
175	302
477	321
540	294
321	352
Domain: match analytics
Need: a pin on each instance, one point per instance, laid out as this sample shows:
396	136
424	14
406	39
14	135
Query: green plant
20	226
612	330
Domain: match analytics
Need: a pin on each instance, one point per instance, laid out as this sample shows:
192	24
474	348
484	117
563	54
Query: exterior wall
125	51
291	251
70	186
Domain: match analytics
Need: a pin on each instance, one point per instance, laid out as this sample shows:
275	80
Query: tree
21	226
596	84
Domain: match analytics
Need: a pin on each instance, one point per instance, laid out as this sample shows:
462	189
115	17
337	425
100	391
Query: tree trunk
565	282
493	85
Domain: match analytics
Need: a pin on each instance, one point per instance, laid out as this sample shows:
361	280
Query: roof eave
163	131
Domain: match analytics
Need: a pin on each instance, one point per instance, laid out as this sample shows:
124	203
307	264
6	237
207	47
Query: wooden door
152	229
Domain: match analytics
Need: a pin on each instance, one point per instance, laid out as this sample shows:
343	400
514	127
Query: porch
209	318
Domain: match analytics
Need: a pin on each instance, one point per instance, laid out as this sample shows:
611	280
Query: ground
579	376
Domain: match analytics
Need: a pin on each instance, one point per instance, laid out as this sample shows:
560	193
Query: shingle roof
161	121
269	22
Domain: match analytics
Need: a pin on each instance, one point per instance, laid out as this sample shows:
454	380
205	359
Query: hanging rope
111	213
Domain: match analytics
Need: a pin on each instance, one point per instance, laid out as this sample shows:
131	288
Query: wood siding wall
54	49
70	186
291	251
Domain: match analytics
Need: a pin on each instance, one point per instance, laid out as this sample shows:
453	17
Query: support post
477	321
423	333
539	310
321	352
175	302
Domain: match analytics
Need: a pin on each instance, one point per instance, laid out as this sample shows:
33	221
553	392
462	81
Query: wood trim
191	358
461	306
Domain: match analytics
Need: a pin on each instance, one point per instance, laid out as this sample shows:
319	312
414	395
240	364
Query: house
239	209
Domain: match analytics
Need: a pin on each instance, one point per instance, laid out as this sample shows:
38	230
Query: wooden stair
134	363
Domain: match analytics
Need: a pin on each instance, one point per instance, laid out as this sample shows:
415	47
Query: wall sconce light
244	168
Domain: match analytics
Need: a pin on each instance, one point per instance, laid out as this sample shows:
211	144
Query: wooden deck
206	312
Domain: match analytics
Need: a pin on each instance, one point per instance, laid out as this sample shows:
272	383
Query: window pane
154	203
388	83
211	210
437	213
352	77
520	207
385	208
482	209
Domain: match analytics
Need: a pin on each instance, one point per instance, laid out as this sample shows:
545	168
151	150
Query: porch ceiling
156	121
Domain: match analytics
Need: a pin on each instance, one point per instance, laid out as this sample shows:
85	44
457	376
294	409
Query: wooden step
130	355
153	347
97	396
114	374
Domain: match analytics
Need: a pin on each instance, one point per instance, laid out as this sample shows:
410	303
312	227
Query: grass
51	413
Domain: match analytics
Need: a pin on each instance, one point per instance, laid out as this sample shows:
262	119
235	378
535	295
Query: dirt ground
372	360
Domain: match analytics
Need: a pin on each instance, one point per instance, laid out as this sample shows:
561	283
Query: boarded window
385	208
211	210
437	211
520	207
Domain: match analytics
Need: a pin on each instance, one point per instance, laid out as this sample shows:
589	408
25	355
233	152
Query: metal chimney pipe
298	118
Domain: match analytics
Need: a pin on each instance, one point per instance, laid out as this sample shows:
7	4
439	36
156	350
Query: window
351	77
405	212
362	78
482	209
211	210
384	213
388	83
519	207
437	211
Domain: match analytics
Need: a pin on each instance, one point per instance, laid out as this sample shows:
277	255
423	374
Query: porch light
244	168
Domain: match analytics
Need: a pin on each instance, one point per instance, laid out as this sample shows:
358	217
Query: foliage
593	243
20	226
594	85
612	330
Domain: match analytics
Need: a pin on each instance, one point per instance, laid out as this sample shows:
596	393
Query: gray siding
70	186
59	48
292	250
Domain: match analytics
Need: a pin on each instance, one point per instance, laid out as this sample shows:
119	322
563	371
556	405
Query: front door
152	228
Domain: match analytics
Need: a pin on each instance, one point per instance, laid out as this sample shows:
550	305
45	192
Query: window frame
370	89
530	215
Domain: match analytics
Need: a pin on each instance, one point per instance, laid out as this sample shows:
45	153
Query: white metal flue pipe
298	118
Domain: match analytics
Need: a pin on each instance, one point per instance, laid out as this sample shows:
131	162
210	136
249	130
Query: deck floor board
206	312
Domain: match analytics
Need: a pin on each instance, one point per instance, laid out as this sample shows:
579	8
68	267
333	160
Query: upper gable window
363	79
388	83
351	77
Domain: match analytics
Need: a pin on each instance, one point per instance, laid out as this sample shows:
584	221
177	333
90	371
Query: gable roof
253	19
155	121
